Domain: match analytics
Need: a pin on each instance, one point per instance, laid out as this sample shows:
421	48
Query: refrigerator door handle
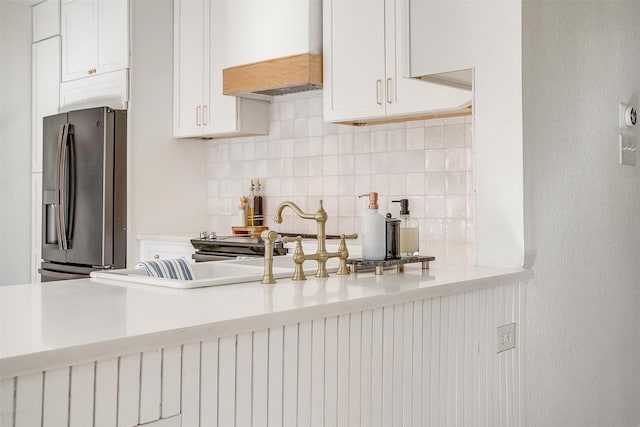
71	199
56	203
62	173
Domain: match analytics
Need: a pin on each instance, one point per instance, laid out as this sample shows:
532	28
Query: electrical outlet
627	150
506	337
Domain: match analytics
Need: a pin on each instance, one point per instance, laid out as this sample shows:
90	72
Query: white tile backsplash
397	161
434	160
415	161
454	135
345	145
416	184
434	133
330	145
415	138
378	141
455	159
305	159
456	183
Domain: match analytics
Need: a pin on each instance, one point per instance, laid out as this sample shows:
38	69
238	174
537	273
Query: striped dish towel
169	268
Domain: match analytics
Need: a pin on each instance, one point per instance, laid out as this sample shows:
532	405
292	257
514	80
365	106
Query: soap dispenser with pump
373	231
409	230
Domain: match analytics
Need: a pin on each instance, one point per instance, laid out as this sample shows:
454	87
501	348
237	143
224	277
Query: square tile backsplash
304	159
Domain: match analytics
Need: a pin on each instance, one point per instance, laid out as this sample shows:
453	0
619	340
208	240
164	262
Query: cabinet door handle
156	256
388	90
204	115
91	71
198	115
378	100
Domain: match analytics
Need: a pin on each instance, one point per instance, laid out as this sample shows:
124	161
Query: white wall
15	142
167	177
582	212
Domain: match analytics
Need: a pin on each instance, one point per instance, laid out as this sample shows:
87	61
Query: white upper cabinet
354	59
79	39
95	37
113	35
200	54
189	64
46	20
365	53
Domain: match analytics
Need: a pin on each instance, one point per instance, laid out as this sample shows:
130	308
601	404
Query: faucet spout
319	216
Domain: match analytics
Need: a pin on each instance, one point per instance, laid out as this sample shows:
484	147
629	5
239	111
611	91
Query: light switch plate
627	150
506	337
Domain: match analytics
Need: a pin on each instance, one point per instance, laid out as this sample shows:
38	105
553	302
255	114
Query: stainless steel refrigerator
84	203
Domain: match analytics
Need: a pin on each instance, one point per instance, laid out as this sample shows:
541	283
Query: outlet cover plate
627	150
506	337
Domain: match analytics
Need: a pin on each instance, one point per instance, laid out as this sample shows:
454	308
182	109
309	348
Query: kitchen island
396	349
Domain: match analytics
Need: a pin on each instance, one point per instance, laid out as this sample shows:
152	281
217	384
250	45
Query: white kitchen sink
214	273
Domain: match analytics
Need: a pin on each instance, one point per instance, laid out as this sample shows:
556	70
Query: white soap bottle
373	231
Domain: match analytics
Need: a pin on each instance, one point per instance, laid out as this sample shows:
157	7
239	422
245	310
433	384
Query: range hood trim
278	76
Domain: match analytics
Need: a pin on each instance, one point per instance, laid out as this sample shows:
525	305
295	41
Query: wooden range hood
274	77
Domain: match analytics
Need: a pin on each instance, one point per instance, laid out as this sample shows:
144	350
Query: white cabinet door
45	69
441	36
79	38
220	114
113	35
354	59
200	54
409	96
95	37
188	72
46	20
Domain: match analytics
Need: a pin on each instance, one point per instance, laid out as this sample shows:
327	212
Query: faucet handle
349	236
287	239
343	253
298	257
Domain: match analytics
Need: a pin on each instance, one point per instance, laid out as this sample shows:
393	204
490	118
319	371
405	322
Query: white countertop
58	323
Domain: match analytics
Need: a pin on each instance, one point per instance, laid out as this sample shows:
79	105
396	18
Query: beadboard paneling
429	362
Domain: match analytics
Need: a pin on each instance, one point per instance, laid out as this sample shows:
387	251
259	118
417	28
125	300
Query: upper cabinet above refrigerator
95	37
95	54
366	48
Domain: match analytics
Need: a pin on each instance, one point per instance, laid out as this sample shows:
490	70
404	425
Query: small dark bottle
392	238
258	205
